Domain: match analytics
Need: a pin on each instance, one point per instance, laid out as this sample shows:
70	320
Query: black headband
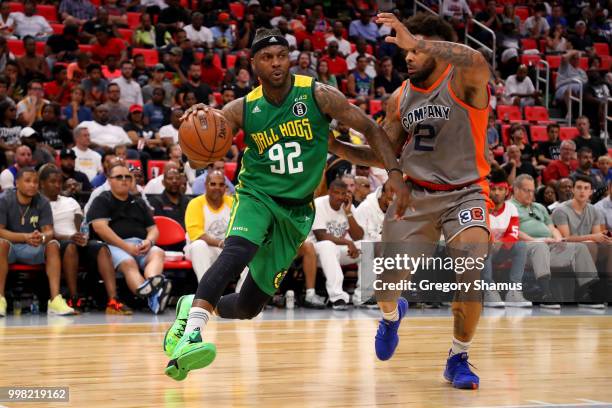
267	42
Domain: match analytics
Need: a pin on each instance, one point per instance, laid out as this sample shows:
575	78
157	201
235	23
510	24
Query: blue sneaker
386	337
458	372
154	301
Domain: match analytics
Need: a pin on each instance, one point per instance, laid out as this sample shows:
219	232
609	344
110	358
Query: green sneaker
191	353
175	332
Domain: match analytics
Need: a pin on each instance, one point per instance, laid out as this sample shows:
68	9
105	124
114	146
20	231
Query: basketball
205	139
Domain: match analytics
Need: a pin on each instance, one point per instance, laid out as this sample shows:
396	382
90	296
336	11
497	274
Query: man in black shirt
388	80
194	84
550	150
124	222
585	139
67	163
171	203
63	46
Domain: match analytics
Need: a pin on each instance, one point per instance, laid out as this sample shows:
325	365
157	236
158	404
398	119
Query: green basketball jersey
286	145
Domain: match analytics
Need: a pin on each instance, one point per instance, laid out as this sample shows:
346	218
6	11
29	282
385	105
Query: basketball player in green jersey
286	126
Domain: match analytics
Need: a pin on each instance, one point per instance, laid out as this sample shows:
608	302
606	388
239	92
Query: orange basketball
205	139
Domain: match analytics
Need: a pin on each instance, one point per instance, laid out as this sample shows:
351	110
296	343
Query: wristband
389	171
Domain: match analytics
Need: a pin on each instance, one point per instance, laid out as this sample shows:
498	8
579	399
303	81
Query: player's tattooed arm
233	114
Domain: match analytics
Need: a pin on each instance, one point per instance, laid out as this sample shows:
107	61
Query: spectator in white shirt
351	60
105	136
200	36
131	93
338	235
27	23
536	26
344	47
519	89
88	162
169	133
283	27
456	10
156	185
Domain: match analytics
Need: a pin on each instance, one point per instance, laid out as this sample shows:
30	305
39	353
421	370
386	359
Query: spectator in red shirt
558	169
106	45
212	75
60	88
336	64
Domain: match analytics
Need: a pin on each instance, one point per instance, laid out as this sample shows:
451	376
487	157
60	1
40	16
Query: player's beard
282	82
421	75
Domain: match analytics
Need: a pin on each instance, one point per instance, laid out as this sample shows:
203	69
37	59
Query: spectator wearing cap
105	136
117	111
76	111
172	61
23	159
131	92
67	167
561	168
156	114
581	40
364	28
105	45
27	23
94	85
200	36
194	84
29	109
76	12
170	201
569	71
41	153
87	161
223	36
169	133
158	80
53	130
139	129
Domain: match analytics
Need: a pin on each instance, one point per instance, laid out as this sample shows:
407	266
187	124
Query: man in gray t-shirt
580	221
26	236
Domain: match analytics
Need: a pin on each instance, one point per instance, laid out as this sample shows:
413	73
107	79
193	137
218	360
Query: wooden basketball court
522	361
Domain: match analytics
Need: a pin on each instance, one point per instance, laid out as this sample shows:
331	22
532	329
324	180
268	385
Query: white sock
391	316
310	293
459	347
198	317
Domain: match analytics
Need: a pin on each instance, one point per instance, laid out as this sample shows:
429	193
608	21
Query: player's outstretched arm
333	103
472	70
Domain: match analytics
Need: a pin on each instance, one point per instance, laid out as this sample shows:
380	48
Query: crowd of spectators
91	93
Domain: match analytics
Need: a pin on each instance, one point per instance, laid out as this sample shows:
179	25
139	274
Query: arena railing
424	6
491	51
543	67
573	98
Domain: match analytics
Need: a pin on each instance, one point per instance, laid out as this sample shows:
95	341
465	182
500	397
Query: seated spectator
493	139
581	40
9	128
23	159
362	190
351	60
105	44
536	26
188	98
504	222
172	61
130	92
94	86
53	130
556	43
335	62
545	249
169	133
595	94
171	202
157	185
242	84
364	28
551	149
515	166
41	152
604	167
283	27
303	66
77	70
145	34
569	70
212	75
105	136
124	223
67	167
144	136
63	47
344	47
490	18
223	35
349	180
194	84
74	245
76	12
579	221
360	84
206	221
338	235
88	162
30	24
561	168
141	73
156	114
585	139
289	14
31	65
370	216
7	23
26	236
117	111
585	169
111	70
4	87
76	111
323	74
158	80
556	17
29	109
102	19
59	89
200	36
564	191
457	12
388	80
199	184
605	207
519	89
547	196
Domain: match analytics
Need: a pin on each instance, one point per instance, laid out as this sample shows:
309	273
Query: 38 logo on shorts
471	214
279	278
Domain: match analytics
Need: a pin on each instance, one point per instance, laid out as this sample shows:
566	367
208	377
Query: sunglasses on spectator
123	177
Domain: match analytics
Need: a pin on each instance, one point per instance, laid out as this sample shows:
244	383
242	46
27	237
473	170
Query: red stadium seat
568	132
553	61
606	62
513	113
530	59
277	10
375	106
155	168
536	114
584	63
538	134
47	11
85	47
133	162
171	233
26	268
218	98
542	46
133	19
14	7
16	47
40	48
344	86
522	12
601	49
57	28
505	134
529	44
217	61
126	34
230	60
230	170
150	55
237	10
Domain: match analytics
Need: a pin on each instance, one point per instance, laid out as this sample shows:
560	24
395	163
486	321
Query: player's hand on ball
199	109
403	38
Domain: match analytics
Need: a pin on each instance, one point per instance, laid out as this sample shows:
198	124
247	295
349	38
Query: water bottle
290	299
34	306
85	229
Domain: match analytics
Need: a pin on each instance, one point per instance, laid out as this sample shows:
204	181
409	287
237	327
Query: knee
128	265
71	250
4	246
308	249
325	247
199	246
249	312
52	249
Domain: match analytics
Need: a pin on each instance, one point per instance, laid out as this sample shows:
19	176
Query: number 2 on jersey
423	137
276	154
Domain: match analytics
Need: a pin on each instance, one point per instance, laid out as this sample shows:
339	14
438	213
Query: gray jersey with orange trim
447	144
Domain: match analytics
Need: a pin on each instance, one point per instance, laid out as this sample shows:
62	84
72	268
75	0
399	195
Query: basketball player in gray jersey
439	116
